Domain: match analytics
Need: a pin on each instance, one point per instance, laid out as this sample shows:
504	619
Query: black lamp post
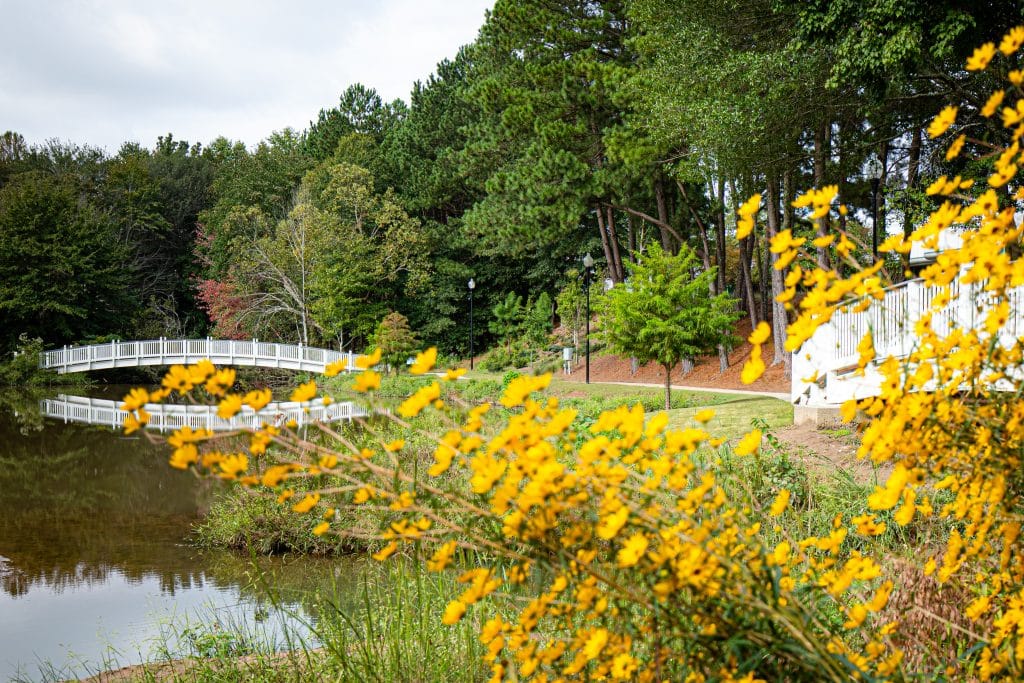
873	170
472	286
588	274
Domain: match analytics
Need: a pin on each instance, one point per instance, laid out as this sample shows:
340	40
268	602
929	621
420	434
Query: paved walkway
782	396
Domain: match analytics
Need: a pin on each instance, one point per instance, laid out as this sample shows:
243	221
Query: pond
94	564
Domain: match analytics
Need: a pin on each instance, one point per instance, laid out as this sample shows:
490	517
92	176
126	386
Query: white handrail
162	351
832	352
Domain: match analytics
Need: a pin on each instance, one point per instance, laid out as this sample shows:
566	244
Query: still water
93	564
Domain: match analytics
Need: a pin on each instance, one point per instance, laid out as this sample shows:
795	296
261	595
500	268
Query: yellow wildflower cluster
635	563
948	416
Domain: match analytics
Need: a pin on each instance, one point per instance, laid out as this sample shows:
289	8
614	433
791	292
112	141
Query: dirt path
826	450
705	374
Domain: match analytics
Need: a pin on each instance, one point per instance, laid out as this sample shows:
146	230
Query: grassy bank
387	629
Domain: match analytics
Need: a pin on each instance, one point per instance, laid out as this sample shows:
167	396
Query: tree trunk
720	235
668	386
760	258
723	353
620	274
702	230
779	317
631	238
659	198
821	134
884	149
604	241
913	171
746	249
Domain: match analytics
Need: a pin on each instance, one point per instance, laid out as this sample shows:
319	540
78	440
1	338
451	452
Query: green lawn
733	417
733	412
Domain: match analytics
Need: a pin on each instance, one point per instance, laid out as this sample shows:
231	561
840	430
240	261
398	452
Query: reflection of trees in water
81	504
78	502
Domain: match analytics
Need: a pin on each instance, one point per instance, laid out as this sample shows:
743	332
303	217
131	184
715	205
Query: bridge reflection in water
165	417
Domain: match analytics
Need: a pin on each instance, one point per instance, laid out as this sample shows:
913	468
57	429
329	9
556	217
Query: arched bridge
129	354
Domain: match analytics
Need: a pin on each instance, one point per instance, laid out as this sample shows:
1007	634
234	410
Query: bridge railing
891	320
226	351
165	417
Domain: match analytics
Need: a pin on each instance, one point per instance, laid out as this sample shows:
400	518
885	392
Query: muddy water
94	570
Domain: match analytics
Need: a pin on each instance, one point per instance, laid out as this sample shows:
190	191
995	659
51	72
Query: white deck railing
186	351
166	417
831	352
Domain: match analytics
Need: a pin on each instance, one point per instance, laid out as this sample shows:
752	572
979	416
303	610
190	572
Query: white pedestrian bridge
825	369
169	416
253	353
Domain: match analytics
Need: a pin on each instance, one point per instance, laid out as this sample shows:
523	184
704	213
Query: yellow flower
881	597
135	399
760	334
135	421
780	504
633	549
747	211
942	121
704	416
364	362
201	371
442	557
186	435
385	552
856	616
307	503
454	374
424	361
453	612
321	528
274	475
521	387
752	370
981	57
1012	41
977	608
611	524
955	147
624	666
595	643
184	456
992	104
229	406
220	381
1016	77
304	392
178	379
335	368
257	399
414	405
867	525
749	444
233	465
367	380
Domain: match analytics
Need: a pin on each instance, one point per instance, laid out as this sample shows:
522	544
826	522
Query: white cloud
105	71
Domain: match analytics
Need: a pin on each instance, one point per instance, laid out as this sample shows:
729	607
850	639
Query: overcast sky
105	71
